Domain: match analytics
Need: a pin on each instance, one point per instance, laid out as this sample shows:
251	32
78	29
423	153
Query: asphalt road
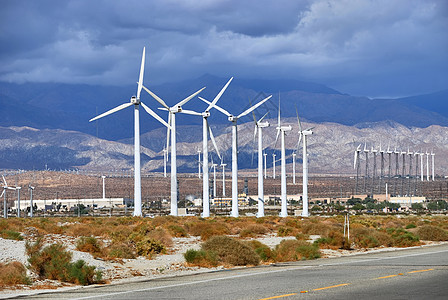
418	273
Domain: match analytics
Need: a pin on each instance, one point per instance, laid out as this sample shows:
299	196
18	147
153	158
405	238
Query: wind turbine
427	165
416	154
177	108
357	164
389	154
410	171
265	165
205	131
259	125
403	173
135	101
397	167
281	130
234	120
303	136
374	152
165	159
5	205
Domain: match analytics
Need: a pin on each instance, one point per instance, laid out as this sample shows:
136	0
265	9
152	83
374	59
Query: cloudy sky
361	47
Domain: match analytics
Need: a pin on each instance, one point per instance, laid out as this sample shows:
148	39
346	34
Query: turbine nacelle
205	114
176	109
135	100
232	118
263	124
284	128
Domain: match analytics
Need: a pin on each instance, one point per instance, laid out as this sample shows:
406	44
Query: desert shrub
11	235
383	238
13	273
161	235
177	231
120	250
365	238
333	240
201	258
54	262
432	233
148	247
121	233
265	253
230	251
411	225
78	230
207	230
302	237
402	238
253	230
293	250
91	245
316	228
287	231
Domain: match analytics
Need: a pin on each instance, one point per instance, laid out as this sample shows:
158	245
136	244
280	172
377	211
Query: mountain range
47	123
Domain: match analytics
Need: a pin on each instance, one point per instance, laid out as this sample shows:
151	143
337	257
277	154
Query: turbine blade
298	143
219	95
140	78
213	140
190	112
253	107
298	119
263	117
217	107
4	180
168	131
120	107
157	98
2	193
276	138
189	98
156	116
278	120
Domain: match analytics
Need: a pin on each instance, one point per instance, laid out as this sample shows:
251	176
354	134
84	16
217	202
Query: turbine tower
416	154
165	159
303	136
259	125
199	163
265	165
382	169
294	154
374	152
273	165
205	133
357	165
403	172
172	111
432	162
410	171
223	165
281	130
396	152
421	164
5	204
366	151
135	100
427	165
389	154
233	119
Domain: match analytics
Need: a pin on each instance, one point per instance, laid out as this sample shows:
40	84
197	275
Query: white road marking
254	274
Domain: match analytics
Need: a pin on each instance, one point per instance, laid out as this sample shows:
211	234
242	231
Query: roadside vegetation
225	241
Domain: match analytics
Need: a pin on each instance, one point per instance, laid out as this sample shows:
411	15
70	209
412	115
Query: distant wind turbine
234	120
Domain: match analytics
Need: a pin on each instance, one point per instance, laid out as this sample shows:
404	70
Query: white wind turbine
31	188
5	205
234	120
265	164
294	154
199	163
281	130
303	136
273	164
259	125
421	165
357	164
177	108
135	100
427	165
165	159
205	131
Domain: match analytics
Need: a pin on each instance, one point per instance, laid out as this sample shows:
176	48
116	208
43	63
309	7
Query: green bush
403	238
411	225
201	258
265	253
230	251
54	262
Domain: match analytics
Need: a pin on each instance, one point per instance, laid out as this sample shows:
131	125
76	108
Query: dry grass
293	250
13	273
432	233
231	251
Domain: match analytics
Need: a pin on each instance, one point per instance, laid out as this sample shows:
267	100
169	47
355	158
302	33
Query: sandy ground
171	264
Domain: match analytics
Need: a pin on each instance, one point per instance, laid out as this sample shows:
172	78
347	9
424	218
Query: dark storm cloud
375	47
